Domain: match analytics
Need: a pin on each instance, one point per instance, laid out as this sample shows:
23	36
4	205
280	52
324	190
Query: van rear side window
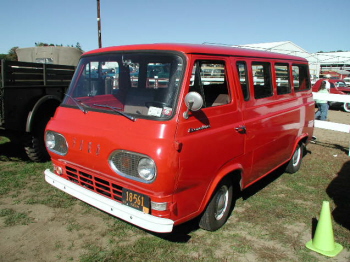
262	79
243	79
301	78
282	79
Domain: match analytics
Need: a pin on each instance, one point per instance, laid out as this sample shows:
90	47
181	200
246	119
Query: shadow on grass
339	191
262	183
11	151
181	233
334	146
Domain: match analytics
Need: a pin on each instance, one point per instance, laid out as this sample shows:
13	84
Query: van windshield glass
141	84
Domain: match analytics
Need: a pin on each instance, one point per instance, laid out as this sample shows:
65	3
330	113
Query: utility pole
99	24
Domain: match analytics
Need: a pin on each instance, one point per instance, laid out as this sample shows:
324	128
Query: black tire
295	163
219	207
34	143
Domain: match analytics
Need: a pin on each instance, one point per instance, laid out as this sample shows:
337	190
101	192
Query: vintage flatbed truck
29	96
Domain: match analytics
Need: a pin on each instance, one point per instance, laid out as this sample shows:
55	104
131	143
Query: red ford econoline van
160	134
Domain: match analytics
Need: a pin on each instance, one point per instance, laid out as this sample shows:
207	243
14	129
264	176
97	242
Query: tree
12	54
78	46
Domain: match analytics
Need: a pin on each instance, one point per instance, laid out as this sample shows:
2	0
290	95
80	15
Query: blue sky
314	25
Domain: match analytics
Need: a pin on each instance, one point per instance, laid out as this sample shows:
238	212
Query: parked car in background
347	81
338	86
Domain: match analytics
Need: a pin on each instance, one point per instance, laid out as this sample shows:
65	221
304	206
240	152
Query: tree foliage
78	46
11	55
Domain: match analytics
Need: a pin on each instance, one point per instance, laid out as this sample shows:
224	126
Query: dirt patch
334	137
53	235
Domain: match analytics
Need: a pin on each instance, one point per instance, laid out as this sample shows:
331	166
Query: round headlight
50	140
56	143
146	169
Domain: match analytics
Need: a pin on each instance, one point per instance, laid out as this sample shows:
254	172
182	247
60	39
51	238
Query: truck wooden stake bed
29	96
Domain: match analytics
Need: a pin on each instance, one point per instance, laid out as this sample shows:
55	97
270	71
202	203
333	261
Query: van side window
301	78
243	79
262	79
209	80
282	79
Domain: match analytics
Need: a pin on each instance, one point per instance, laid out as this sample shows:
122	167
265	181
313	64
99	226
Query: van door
209	139
271	116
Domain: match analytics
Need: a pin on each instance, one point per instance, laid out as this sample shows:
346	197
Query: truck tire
34	143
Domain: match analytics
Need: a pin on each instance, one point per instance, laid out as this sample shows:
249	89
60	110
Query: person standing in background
322	105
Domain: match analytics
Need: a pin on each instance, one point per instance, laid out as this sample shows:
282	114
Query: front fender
235	169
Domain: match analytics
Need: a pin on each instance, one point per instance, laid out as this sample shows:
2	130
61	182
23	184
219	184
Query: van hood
93	136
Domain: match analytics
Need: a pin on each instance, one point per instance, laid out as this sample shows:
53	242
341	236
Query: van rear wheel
295	163
219	207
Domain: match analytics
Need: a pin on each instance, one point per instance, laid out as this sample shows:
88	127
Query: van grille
94	183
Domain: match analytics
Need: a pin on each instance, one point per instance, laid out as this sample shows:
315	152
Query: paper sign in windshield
155	111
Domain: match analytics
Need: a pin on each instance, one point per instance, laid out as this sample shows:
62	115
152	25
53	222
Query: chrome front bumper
131	215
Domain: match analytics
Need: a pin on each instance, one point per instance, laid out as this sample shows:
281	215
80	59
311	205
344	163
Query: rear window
262	79
282	79
301	80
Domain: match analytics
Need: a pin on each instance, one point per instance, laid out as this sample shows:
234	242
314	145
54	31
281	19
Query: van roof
198	49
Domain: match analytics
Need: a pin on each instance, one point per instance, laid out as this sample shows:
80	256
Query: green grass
13	218
271	223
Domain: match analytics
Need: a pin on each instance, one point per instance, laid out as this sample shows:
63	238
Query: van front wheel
295	163
219	207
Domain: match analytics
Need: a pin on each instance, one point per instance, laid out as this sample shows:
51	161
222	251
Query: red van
337	86
177	130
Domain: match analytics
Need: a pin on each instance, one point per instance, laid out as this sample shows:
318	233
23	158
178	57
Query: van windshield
140	84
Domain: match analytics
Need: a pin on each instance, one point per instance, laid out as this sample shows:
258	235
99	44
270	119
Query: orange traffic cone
323	241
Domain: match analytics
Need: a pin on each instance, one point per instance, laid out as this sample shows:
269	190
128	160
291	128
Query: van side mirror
194	102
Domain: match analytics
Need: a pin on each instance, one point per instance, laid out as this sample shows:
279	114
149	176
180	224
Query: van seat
216	95
136	98
222	99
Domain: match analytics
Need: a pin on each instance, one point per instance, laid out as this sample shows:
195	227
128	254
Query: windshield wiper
115	109
80	104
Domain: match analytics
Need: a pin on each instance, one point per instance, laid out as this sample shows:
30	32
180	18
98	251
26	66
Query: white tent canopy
316	60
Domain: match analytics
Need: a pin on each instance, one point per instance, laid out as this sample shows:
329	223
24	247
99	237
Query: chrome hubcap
221	202
296	157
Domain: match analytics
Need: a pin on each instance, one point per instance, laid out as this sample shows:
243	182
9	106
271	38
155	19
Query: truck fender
234	169
35	109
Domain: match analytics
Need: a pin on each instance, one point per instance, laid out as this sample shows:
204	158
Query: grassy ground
271	222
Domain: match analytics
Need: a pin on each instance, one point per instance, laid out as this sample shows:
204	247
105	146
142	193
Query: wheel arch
301	140
233	172
45	105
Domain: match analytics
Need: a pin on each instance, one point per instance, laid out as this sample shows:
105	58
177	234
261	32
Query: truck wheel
219	207
346	107
295	163
35	143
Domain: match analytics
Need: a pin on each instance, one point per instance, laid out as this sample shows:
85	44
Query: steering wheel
156	104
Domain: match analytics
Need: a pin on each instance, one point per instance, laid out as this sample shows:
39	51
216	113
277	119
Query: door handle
241	129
